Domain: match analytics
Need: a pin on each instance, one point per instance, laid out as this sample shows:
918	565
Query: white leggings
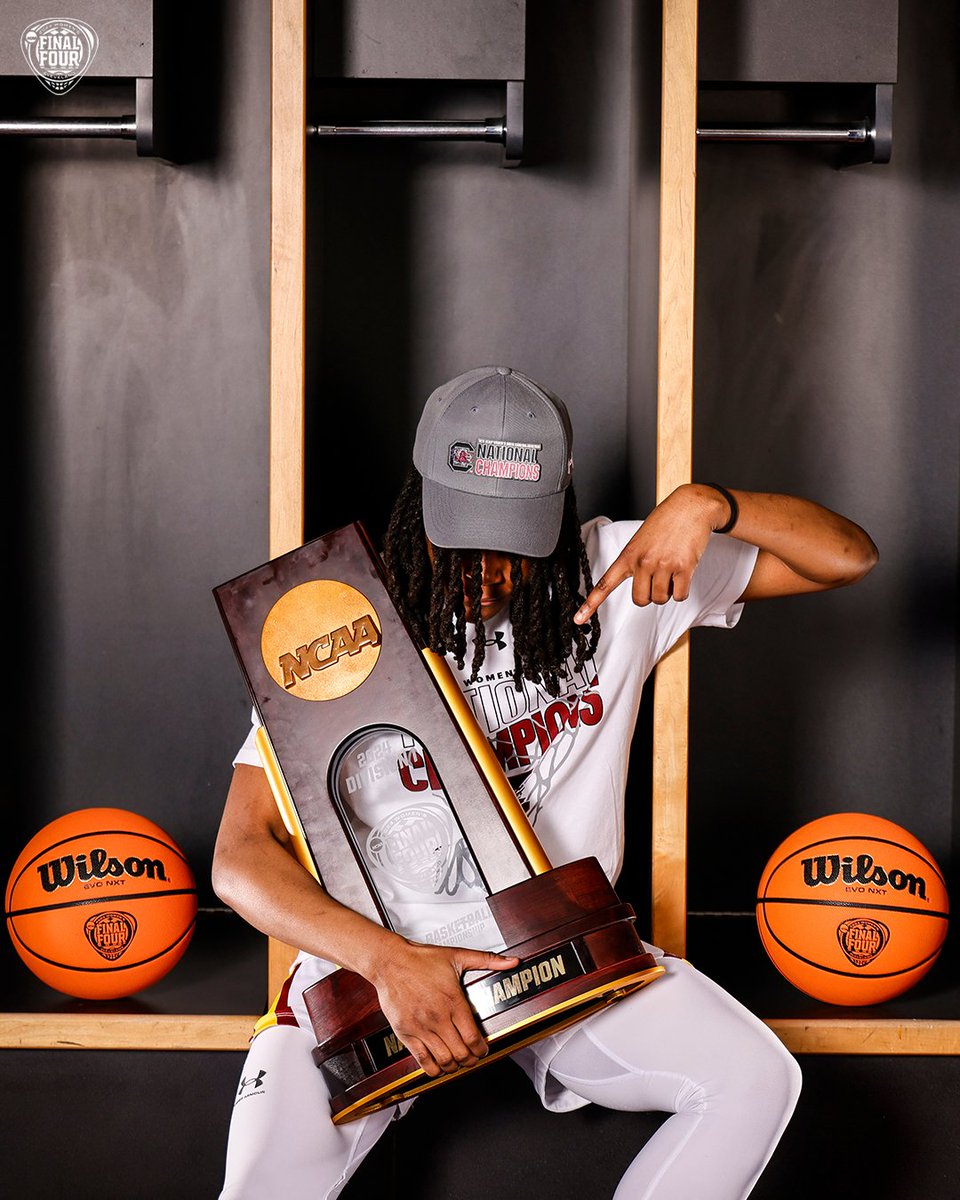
681	1046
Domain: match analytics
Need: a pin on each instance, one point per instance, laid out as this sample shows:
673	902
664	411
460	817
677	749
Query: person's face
496	583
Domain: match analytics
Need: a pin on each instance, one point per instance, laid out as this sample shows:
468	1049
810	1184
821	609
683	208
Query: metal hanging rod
787	133
491	129
507	130
78	127
146	127
871	137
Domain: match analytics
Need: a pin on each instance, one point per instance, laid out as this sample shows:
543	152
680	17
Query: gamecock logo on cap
461	456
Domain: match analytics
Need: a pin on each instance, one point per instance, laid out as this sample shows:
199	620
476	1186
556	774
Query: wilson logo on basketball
861	939
327	650
61	872
826	869
110	933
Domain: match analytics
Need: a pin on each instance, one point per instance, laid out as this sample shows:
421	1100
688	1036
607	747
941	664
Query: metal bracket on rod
507	130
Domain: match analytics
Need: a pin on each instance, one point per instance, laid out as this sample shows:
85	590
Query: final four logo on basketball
110	933
862	938
59	51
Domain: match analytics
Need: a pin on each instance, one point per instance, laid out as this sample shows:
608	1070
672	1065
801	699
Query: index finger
611	579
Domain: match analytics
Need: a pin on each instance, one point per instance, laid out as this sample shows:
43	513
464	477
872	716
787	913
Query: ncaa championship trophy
397	805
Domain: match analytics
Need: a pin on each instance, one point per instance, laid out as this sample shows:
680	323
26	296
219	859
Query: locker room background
135	366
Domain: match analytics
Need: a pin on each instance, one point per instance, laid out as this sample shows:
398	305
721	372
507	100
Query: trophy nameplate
398	806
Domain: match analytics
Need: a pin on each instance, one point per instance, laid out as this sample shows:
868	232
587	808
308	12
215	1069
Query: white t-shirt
565	757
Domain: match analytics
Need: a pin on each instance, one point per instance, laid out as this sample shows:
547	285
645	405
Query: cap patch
498	460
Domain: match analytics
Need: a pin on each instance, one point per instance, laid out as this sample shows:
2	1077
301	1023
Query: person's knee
767	1081
795	1077
793	1081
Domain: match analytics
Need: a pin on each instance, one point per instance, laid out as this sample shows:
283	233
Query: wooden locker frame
674	466
678	176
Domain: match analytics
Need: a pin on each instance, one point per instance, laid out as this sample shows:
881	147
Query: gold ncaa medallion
321	640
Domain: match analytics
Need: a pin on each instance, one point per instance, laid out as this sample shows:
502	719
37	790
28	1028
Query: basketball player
490	564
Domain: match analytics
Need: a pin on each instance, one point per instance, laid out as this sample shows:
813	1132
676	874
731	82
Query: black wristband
734	507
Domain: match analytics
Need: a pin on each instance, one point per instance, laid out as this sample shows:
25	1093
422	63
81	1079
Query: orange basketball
852	909
101	903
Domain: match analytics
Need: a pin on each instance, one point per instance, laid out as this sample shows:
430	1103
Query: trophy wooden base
579	951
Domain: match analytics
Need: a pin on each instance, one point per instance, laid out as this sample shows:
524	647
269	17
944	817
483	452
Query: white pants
681	1046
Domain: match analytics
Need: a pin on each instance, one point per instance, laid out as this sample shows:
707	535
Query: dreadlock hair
543	601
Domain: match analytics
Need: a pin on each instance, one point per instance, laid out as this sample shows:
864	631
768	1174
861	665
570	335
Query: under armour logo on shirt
497	640
253	1084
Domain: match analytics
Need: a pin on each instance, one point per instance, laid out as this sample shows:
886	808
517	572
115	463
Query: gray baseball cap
495	451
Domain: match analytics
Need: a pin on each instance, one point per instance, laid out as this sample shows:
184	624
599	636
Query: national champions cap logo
321	640
59	51
491	459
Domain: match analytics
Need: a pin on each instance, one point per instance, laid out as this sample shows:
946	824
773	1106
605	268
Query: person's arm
419	987
803	546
